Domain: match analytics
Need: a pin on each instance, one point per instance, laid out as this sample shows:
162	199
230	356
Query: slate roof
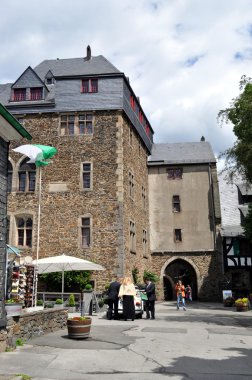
98	65
230	231
244	189
181	153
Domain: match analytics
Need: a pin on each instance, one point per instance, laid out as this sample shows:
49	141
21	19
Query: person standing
188	293
180	292
127	292
113	298
151	295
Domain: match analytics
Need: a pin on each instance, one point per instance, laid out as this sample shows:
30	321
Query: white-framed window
76	124
86	175
24	226
132	228
131	185
26	176
144	241
85	231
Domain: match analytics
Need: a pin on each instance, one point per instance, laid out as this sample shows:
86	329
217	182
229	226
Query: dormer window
19	94
36	93
89	85
49	80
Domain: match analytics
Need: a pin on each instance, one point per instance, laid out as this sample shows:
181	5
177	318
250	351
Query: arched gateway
179	269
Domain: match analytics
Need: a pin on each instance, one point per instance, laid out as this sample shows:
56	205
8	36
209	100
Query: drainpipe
212	203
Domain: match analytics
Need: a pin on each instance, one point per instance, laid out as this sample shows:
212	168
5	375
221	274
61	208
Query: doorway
179	270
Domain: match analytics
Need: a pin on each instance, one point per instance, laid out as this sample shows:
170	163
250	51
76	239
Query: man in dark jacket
151	295
113	291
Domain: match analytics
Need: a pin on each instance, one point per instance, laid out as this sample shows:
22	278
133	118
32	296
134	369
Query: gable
28	79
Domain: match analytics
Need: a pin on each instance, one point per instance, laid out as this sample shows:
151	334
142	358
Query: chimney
88	57
202	138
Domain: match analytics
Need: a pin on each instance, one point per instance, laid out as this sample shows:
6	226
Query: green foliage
135	273
73	280
152	276
23	376
238	159
88	287
71	300
247	225
19	342
40	303
58	301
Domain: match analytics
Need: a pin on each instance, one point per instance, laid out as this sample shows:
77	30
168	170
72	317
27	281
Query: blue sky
184	58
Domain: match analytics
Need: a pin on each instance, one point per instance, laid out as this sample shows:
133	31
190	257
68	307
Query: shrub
40	302
58	301
71	300
88	287
243	301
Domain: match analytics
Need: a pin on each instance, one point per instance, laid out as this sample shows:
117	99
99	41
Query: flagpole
38	229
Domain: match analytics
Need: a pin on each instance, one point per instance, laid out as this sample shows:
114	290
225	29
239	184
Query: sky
184	58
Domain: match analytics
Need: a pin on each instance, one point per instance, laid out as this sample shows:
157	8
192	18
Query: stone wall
107	203
31	325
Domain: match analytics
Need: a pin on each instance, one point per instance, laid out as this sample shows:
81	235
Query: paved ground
206	342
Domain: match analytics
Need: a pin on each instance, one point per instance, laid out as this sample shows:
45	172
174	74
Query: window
89	85
174	173
36	93
19	94
131	136
76	124
131	185
26	176
67	124
86	175
24	231
132	237
143	196
9	177
132	102
85	232
85	124
50	80
145	243
176	203
177	235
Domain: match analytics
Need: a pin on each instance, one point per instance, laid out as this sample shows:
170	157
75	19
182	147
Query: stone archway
179	269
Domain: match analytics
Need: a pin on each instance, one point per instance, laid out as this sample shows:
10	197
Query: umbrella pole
62	289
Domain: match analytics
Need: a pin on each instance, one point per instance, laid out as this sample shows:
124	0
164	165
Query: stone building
10	130
185	218
94	202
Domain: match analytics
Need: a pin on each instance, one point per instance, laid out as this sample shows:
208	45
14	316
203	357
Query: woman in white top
127	292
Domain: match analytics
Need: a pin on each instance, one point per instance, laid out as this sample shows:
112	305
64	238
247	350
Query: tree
238	159
247	225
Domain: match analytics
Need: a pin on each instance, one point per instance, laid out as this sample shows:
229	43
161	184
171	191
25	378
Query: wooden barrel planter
242	307
79	327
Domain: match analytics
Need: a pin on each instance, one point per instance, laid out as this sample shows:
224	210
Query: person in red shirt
180	292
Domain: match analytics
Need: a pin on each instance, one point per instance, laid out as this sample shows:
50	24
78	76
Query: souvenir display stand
23	284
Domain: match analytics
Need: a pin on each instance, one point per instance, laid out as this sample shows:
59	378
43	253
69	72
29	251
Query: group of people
125	290
183	293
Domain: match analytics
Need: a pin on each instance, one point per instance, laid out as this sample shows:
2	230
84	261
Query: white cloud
184	58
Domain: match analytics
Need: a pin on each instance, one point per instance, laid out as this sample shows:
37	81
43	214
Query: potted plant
71	304
58	303
229	302
13	307
88	288
242	304
79	327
